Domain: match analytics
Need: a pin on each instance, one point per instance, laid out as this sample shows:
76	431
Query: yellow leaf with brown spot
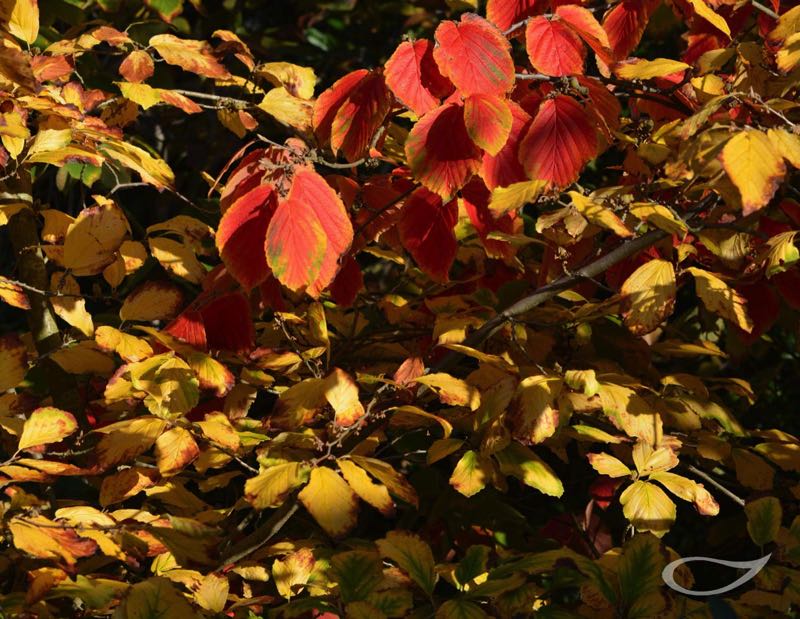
71	307
608	465
471	474
599	215
648	296
137	67
45	539
331	502
212	594
152	301
190	55
273	485
175	449
94	237
294	571
129	347
451	390
534	415
688	490
46	425
755	166
341	392
721	299
124	440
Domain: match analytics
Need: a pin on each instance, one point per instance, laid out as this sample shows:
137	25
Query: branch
735	498
262	534
230	102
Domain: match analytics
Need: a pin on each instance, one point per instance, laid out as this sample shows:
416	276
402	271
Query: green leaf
412	555
472	565
520	462
358	573
764	519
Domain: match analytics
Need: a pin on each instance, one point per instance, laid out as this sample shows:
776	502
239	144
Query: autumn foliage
477	327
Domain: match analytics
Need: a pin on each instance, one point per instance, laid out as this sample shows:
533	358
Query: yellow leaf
129	347
152	301
688	490
126	483
394	481
788	55
152	169
330	501
288	109
707	13
412	555
174	450
608	465
520	462
649	460
71	308
648	508
781	252
599	215
754	166
212	594
534	415
721	299
45	539
298	81
341	391
648	296
787	144
788	24
217	427
13	294
130	257
94	236
293	572
514	197
660	217
648	69
13	361
23	19
141	94
374	494
190	55
124	440
46	425
471	474
48	140
452	390
271	487
177	258
631	413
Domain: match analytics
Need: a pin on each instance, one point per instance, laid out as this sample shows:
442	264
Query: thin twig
737	499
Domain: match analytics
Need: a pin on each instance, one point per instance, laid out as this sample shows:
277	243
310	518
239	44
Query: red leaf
553	48
348	282
559	142
359	117
244	177
788	285
506	13
228	323
605	106
588	28
488	121
504	168
439	151
427	232
308	233
188	327
763	306
476	203
329	102
625	25
241	233
475	55
413	77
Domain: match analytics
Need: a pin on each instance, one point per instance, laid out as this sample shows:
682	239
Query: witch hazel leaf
554	48
559	142
440	152
330	101
648	296
413	76
241	234
506	13
427	232
755	166
626	23
475	55
46	425
583	22
359	117
488	121
504	168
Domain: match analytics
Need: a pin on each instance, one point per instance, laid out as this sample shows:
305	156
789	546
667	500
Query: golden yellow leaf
84	358
514	197
341	391
368	491
787	144
23	18
271	487
43	538
56	224
648	296
212	594
754	166
48	140
154	597
452	390
331	502
71	308
534	415
608	465
293	572
190	55
648	69
13	294
287	109
174	450
721	299
631	413
13	361
298	81
652	460
124	440
130	257
46	425
599	215
788	56
129	347
648	508
788	24
660	217
152	301
141	94
706	12
177	258
394	481
152	169
94	236
126	483
520	462
688	490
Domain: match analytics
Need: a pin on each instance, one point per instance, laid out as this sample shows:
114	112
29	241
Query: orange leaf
137	66
506	13
190	55
359	117
488	121
553	48
413	77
